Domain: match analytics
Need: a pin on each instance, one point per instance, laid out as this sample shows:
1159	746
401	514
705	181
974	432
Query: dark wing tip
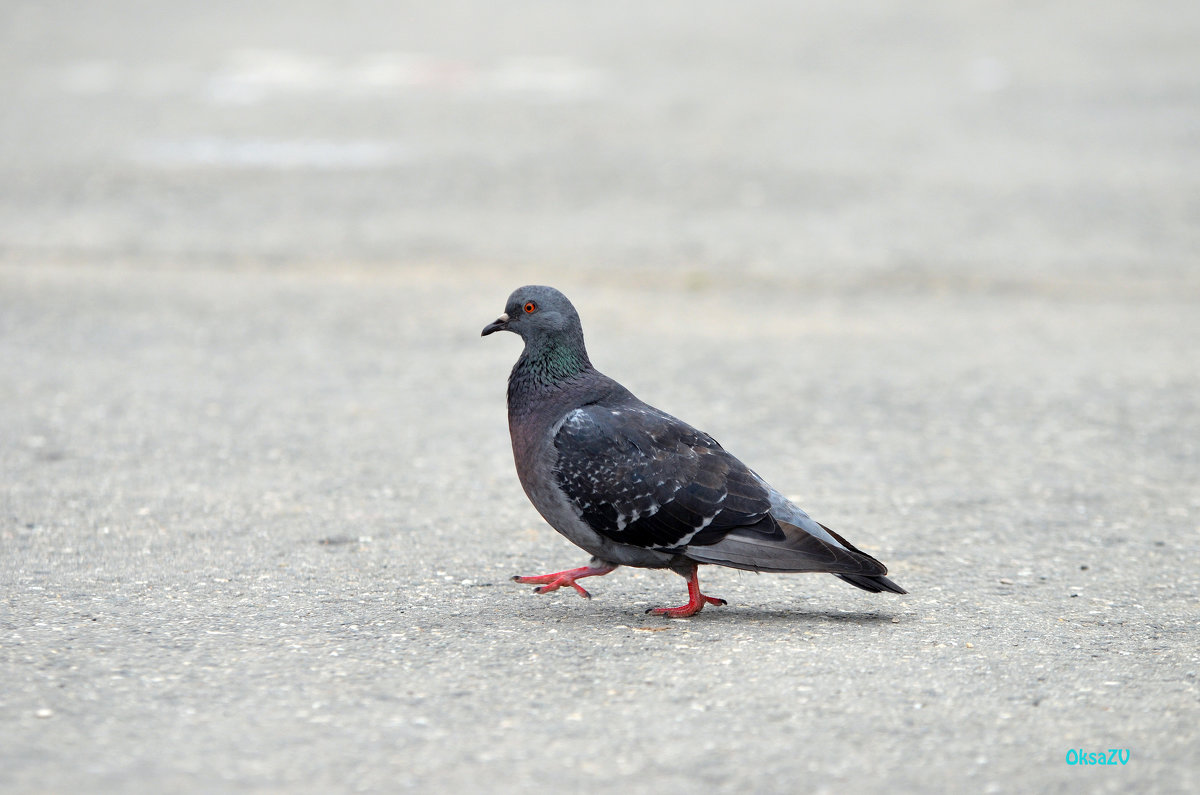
873	583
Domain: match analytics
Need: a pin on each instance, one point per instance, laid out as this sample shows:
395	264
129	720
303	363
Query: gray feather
633	485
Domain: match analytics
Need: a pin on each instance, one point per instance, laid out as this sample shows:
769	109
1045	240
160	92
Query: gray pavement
931	268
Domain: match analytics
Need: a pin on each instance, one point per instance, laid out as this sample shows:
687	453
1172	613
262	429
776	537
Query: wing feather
641	477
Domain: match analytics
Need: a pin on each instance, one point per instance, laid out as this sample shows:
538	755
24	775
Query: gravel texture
258	512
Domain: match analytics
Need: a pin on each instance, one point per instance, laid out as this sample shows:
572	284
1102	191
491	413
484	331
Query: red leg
552	582
696	600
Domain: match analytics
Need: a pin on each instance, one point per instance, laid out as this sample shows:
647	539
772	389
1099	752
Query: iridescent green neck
552	361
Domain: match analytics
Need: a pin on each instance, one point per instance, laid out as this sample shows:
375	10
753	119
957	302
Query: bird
633	486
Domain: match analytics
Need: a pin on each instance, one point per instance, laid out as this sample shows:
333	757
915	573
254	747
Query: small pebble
1005	581
44	713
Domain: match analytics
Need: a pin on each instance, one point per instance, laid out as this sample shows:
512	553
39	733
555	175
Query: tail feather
876	584
773	545
777	546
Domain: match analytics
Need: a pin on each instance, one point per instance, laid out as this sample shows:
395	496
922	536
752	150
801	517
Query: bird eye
530	307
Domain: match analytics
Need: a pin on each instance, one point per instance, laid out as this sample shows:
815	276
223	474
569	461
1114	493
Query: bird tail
773	545
874	584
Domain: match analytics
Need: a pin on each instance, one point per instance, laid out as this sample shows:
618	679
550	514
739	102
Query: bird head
536	312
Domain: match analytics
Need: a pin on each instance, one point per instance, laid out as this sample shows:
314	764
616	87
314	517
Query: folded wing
641	477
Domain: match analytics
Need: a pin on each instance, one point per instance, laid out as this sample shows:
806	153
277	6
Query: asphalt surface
931	269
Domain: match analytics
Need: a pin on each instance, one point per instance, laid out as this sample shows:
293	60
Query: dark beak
499	324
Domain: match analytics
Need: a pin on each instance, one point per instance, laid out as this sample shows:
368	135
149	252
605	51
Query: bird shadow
630	614
726	615
742	616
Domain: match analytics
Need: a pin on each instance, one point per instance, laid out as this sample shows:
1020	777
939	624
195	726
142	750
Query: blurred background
930	267
932	140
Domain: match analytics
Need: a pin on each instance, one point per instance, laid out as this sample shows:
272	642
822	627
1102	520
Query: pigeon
634	486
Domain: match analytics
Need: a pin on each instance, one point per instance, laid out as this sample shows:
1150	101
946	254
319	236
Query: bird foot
552	582
693	607
696	600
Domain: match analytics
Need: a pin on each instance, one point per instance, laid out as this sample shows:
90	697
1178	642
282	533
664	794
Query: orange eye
530	307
